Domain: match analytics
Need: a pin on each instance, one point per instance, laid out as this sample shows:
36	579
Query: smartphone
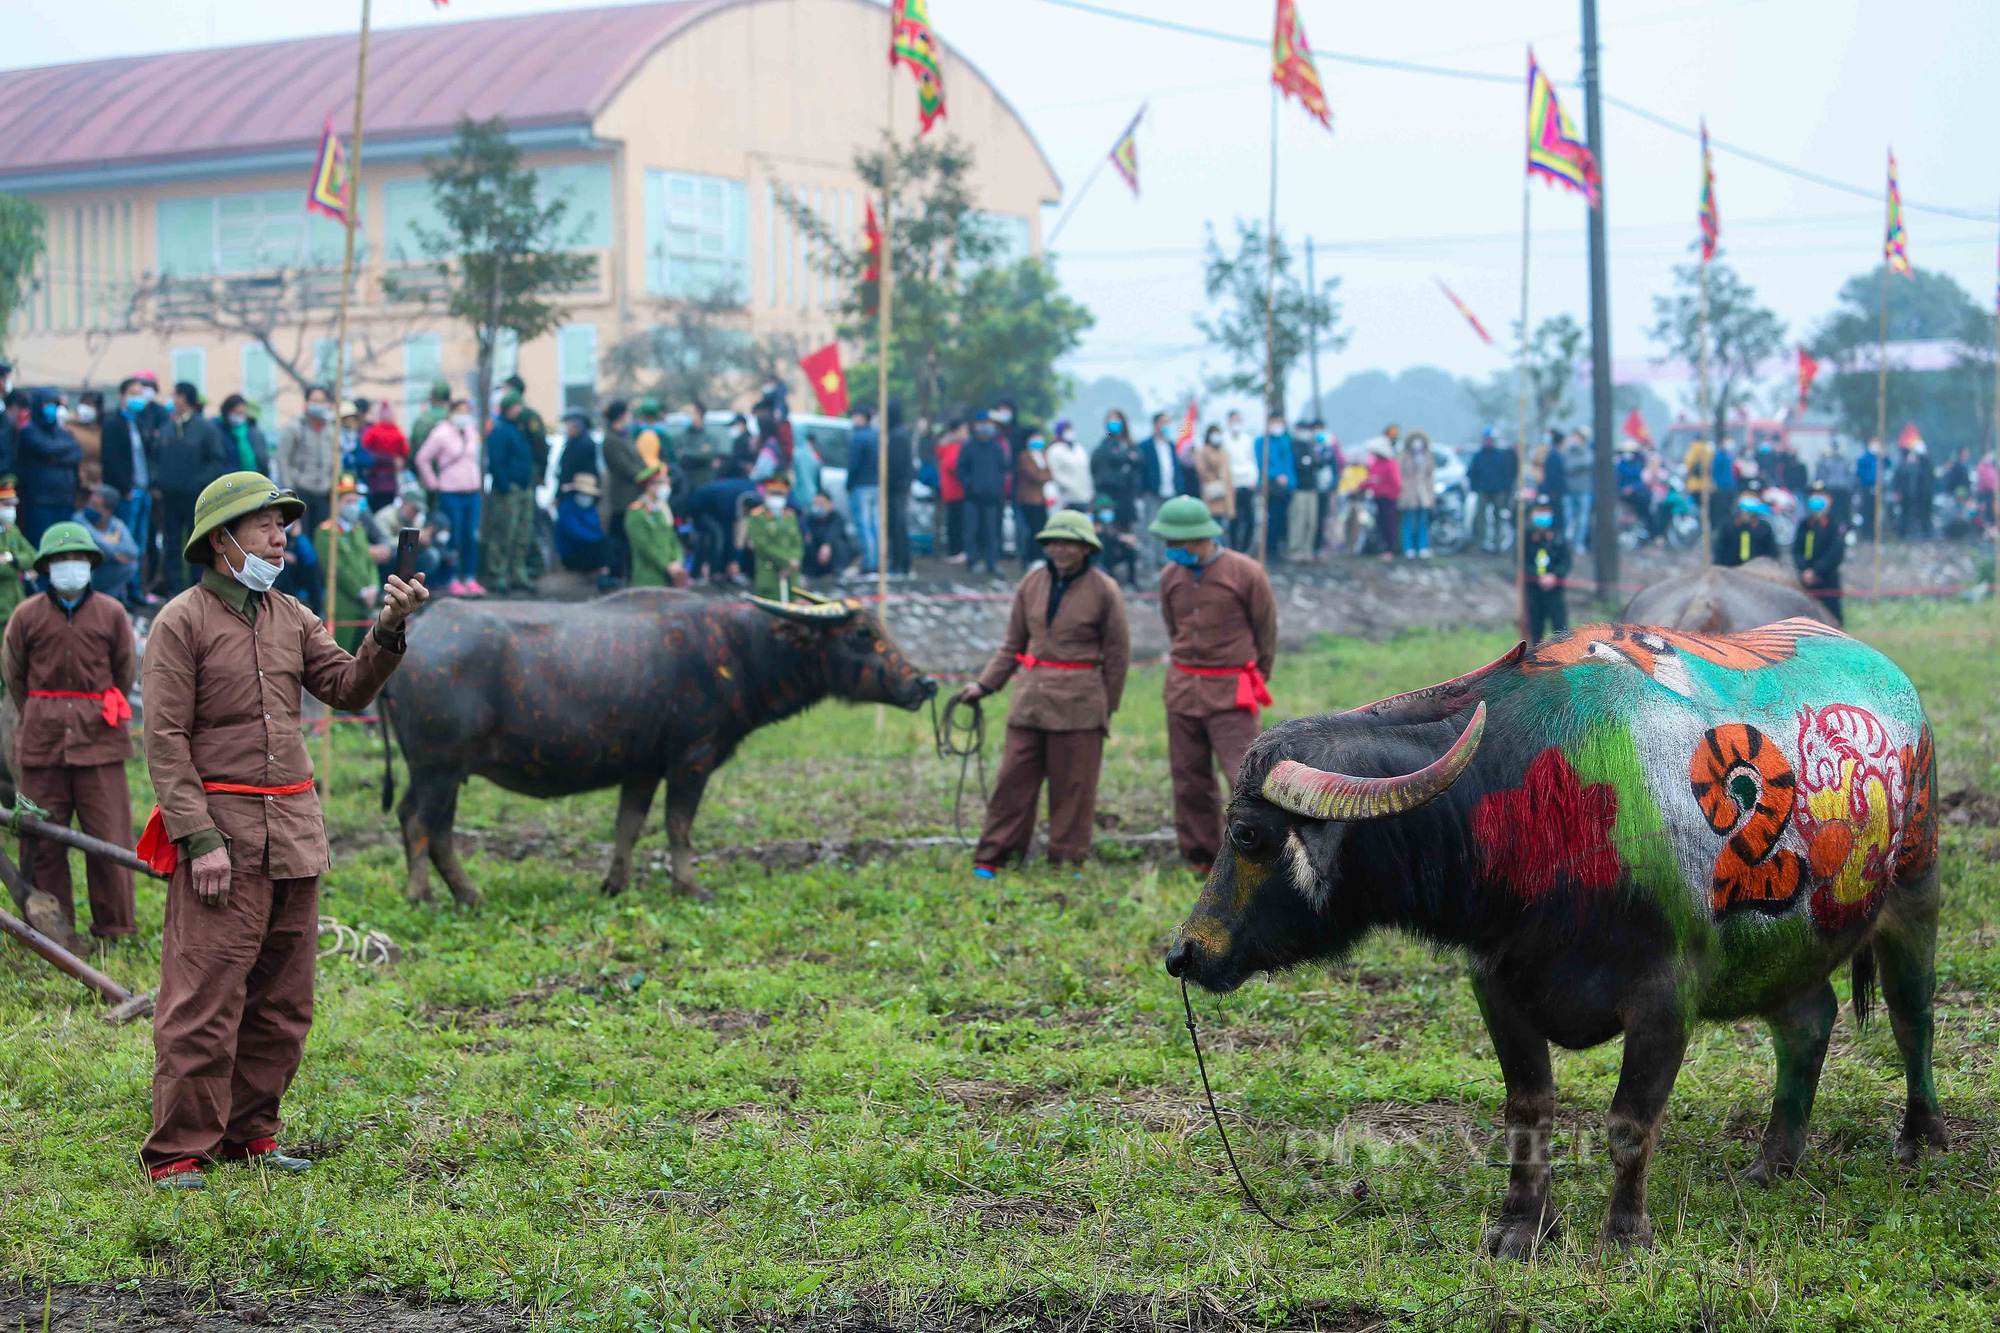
406	555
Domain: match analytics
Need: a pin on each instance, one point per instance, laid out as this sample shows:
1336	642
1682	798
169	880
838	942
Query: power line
1483	76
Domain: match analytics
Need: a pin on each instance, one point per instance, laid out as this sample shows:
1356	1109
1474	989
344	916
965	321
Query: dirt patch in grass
981	1094
724	1023
1969	805
496	1013
718	1121
880	1310
145	1303
1051	1217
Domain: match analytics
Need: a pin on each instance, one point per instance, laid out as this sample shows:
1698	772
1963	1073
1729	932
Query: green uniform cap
649	407
231	497
67	539
440	389
1067	525
1184	519
509	399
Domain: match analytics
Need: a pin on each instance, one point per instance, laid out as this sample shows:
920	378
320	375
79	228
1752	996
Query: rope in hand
1187	1004
963	742
373	949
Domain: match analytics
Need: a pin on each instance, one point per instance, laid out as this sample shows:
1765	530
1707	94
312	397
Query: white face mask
7	513
350	511
463	421
85	413
69	575
775	503
657	497
257	574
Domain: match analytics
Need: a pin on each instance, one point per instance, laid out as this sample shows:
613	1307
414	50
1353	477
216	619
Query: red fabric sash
1030	660
117	708
1252	692
157	850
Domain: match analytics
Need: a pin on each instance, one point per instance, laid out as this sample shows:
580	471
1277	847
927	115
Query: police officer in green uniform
17	554
1545	558
773	535
354	573
657	558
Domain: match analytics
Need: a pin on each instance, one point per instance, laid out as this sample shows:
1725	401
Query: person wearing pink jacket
1385	487
448	465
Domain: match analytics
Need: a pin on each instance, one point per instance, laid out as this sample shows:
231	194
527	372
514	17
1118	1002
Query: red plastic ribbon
117	708
1030	660
1252	691
157	850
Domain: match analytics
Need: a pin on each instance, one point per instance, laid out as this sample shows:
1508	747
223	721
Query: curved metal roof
532	70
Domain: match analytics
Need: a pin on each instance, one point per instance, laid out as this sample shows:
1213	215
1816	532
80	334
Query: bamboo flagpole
1993	584
1272	392
1707	541
884	280
1881	419
325	774
1521	487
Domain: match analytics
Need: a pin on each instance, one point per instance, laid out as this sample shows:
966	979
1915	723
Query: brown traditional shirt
1222	620
83	651
1089	626
223	676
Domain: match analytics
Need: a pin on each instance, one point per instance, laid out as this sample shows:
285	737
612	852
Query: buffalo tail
1861	975
388	760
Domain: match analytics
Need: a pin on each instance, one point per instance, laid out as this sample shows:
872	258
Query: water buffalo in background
1716	600
1627	830
649	685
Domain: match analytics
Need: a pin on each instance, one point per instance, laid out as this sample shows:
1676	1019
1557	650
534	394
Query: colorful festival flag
871	245
1895	244
1292	67
327	191
1125	153
1910	436
1636	428
1554	151
913	44
1465	310
1711	221
829	383
1808	369
1184	439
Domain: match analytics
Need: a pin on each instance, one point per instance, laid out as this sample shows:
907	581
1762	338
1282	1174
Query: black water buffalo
1717	600
645	686
1628	830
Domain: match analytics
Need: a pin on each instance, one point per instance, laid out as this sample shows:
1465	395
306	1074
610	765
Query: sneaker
472	588
182	1175
456	588
264	1153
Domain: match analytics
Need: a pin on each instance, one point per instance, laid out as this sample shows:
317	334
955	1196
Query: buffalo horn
810	598
1434	703
825	613
1317	794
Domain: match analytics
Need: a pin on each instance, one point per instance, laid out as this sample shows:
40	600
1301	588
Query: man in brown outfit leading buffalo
238	827
1067	636
68	660
1222	620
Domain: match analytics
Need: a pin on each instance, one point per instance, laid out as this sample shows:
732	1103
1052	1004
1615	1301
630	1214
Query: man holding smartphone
238	827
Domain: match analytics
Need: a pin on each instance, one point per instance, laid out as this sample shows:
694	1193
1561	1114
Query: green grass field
891	1096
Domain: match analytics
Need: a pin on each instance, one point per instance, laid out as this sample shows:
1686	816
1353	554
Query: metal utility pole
1604	486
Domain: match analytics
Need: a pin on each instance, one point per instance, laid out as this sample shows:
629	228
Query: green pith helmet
649	407
1184	519
1067	525
67	539
229	498
440	391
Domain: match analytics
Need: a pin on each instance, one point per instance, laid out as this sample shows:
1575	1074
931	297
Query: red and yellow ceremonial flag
914	44
327	191
1896	243
1808	369
1125	153
1636	429
829	383
1465	310
1292	67
871	245
1711	221
1554	152
1184	439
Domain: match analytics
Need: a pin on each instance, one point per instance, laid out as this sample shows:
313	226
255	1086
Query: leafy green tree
1560	346
499	253
966	327
21	243
1235	283
1742	334
1950	407
688	357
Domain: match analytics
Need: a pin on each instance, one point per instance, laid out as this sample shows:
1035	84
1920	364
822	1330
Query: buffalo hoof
611	888
468	897
1771	1167
1630	1231
1917	1140
694	891
1520	1237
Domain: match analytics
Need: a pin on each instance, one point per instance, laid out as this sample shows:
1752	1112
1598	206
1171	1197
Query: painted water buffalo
638	688
1627	830
1716	600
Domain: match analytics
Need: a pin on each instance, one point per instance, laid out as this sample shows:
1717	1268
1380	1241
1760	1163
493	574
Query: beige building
175	185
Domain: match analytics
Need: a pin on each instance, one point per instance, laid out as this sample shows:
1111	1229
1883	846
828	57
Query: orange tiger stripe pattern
1642	645
1745	788
1919	843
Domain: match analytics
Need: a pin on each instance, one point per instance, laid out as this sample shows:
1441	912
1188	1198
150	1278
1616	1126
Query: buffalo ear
823	614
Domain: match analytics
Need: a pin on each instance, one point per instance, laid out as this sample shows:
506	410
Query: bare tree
694	353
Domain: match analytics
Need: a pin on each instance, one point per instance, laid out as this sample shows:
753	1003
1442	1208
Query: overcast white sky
1420	179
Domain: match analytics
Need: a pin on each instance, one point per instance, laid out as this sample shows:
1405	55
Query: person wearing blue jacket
48	457
864	499
1275	457
510	514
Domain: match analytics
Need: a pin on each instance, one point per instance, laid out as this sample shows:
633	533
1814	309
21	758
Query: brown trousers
1194	746
102	803
1069	761
234	1007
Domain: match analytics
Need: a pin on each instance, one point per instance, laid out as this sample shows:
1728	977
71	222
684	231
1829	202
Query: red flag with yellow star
829	383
